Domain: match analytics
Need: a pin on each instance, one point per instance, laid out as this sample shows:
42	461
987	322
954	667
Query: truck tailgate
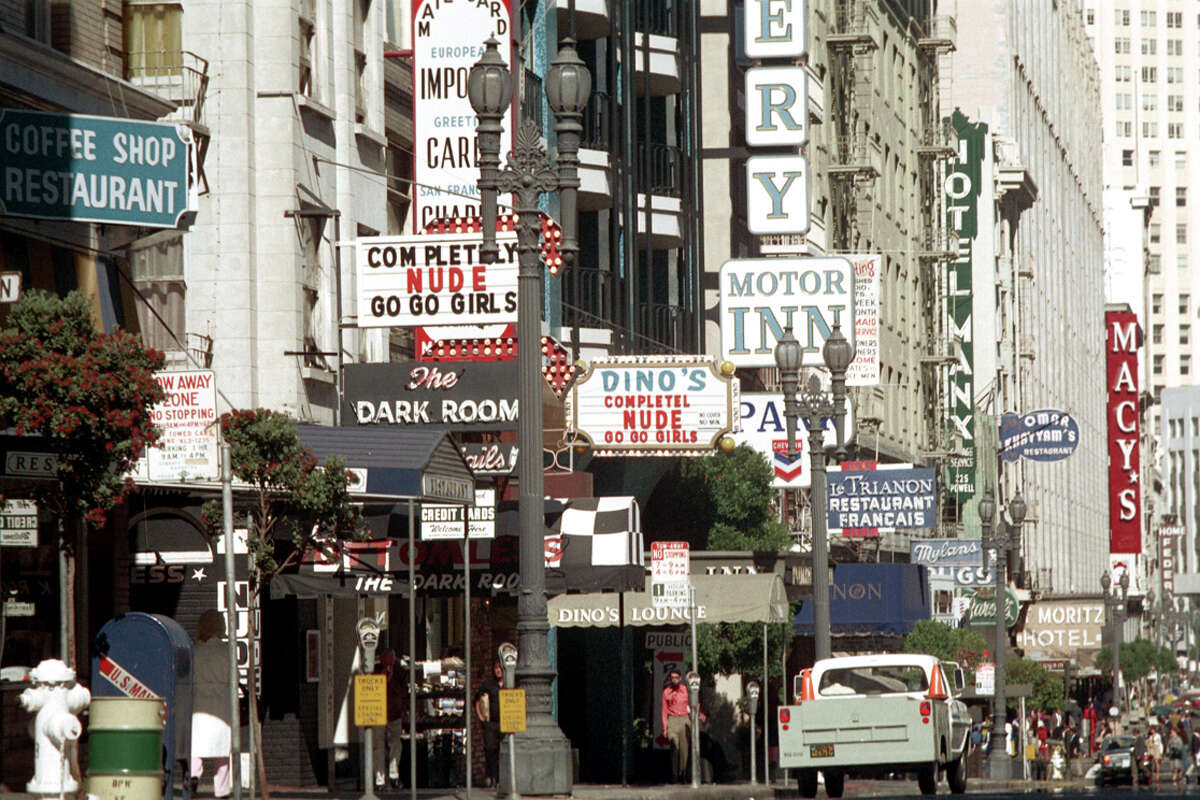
859	731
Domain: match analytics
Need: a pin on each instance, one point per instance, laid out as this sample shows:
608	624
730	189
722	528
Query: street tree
294	506
1048	692
963	645
89	396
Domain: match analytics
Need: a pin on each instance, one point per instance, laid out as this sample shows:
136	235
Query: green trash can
125	748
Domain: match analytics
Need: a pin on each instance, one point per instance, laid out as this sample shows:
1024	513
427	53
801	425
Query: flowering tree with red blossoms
87	392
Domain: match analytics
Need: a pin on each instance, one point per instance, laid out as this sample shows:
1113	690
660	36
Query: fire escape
852	171
182	77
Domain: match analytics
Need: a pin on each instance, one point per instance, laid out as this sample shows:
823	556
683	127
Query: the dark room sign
457	395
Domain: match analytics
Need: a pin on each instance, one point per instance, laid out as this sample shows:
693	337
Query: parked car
1116	761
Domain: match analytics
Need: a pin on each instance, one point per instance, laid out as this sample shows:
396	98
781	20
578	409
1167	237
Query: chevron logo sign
786	467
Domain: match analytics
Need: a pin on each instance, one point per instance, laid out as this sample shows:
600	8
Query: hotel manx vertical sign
961	187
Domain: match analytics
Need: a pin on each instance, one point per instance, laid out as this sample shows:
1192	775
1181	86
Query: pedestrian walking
1154	749
677	723
210	703
487	711
1175	751
388	743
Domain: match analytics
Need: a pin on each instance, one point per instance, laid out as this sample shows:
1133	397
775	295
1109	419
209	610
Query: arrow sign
786	467
665	656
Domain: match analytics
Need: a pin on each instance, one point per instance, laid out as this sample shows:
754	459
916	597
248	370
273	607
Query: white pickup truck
873	715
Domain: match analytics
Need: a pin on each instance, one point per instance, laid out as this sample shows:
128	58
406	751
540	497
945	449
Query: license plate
820	751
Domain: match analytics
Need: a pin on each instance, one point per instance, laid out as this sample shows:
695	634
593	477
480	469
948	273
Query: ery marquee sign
1124	457
762	296
94	169
654	406
447	40
456	395
434	279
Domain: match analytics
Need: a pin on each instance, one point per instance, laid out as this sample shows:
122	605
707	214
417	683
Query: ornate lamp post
1114	600
816	406
1001	538
545	754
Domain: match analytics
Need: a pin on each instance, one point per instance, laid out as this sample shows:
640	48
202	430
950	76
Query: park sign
1044	435
94	169
654	405
760	297
884	497
434	279
764	428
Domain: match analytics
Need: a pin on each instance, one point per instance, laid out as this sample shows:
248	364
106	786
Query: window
1123	17
1181	261
1181	233
1185	334
1153	263
153	40
1154	192
1174	47
1175	102
1180	159
1150	130
1153	158
1181	196
1149	18
1156	302
1174	19
1121	45
1174	74
1185	300
1124	73
308	36
1155	234
1149	46
1158	366
1195	427
1156	334
1127	158
1185	364
1091	16
1124	101
1125	129
1174	130
1149	74
1158	394
1149	102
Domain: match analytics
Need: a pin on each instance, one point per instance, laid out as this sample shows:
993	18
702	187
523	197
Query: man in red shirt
677	723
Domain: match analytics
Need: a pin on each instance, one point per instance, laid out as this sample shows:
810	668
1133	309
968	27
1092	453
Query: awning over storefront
719	598
886	599
307	586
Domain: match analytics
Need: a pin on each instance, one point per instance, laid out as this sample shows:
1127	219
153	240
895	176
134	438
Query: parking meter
507	653
368	639
693	684
752	692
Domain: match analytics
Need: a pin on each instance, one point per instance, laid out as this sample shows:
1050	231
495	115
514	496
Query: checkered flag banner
595	544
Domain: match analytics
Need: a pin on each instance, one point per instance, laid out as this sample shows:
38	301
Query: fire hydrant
56	698
1057	763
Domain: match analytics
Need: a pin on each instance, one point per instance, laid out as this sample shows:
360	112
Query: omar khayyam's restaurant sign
94	169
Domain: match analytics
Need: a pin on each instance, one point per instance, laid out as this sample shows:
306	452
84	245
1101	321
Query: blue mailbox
149	655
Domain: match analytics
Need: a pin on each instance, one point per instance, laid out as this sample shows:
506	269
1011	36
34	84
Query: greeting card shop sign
447	39
650	406
435	279
456	395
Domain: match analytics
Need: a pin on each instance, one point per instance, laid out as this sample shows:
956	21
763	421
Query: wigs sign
447	40
1124	458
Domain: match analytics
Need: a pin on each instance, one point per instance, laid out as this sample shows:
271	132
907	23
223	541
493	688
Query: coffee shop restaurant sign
654	405
456	395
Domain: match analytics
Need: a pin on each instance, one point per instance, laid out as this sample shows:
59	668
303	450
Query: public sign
10	286
668	652
447	40
864	369
442	521
775	28
1062	628
962	184
187	417
764	428
370	700
1044	435
653	405
886	497
985	679
1124	456
777	194
669	562
670	595
18	523
94	169
434	279
512	710
456	395
942	552
776	106
760	297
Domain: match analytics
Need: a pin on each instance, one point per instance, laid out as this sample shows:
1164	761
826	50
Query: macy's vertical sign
1124	459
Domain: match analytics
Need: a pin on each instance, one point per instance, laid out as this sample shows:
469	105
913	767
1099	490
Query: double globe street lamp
543	767
1000	538
816	406
1114	601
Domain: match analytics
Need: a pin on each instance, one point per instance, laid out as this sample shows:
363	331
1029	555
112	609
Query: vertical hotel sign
1124	457
447	40
962	184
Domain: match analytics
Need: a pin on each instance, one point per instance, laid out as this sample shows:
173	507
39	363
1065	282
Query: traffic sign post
512	710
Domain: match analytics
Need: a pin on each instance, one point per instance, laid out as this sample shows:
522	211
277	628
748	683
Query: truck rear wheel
956	775
927	779
808	783
835	783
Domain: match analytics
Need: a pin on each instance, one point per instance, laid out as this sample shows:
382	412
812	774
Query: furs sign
642	405
435	279
1124	458
456	395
